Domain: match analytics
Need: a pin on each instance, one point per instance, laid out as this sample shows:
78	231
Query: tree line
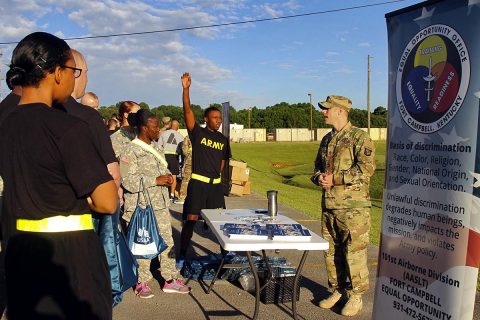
281	115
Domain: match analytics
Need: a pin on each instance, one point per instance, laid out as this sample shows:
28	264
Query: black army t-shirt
48	163
209	148
101	136
8	105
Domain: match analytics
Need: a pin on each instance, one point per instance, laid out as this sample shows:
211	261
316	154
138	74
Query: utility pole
311	117
368	95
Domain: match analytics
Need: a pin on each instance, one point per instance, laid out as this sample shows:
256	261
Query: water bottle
272	202
247	282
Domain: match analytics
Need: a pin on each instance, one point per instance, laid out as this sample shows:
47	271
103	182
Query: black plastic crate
279	290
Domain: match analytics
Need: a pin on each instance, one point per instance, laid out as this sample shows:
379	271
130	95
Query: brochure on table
244	216
315	242
276	232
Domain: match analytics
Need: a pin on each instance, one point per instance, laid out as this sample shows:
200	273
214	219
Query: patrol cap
336	101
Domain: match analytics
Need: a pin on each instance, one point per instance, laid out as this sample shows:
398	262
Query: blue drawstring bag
143	237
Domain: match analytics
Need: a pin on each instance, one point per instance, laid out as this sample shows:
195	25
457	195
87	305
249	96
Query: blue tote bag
127	269
122	265
143	237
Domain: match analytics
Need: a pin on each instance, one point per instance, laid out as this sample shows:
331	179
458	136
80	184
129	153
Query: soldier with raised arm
210	150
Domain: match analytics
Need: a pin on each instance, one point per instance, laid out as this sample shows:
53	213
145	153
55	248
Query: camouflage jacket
350	156
187	151
320	164
137	163
120	139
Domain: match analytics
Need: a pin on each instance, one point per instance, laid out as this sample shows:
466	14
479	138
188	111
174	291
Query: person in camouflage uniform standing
122	137
142	158
187	168
345	162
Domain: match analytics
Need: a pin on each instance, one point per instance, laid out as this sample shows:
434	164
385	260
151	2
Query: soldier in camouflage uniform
122	137
143	159
187	168
345	162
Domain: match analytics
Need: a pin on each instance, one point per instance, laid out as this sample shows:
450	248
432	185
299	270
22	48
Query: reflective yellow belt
169	152
57	224
206	179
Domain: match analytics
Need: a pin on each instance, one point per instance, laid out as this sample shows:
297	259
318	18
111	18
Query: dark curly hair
35	56
140	118
210	109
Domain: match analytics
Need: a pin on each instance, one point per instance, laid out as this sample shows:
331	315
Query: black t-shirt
8	105
48	163
209	148
101	136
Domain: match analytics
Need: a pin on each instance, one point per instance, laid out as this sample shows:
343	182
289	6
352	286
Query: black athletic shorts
201	195
57	275
172	161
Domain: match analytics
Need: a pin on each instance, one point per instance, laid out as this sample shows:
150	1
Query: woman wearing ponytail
122	137
55	264
142	159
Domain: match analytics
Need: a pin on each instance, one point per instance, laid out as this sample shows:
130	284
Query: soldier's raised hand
186	80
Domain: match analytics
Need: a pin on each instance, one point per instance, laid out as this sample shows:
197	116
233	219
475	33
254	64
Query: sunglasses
76	71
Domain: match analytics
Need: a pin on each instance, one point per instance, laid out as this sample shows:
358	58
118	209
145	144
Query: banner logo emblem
432	78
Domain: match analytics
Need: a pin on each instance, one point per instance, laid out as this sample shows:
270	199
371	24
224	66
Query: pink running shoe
175	286
142	290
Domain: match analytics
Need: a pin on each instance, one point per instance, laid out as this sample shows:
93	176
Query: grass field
287	167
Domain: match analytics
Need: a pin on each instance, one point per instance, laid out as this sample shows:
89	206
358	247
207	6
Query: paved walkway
229	301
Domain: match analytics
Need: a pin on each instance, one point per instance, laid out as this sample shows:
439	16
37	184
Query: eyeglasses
76	71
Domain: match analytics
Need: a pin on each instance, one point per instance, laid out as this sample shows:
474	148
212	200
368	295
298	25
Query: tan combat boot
329	302
353	305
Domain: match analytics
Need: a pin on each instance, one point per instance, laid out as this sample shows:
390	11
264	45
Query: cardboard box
247	187
239	174
236	190
239	182
239	164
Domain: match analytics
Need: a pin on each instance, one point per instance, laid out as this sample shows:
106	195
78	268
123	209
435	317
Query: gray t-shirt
169	141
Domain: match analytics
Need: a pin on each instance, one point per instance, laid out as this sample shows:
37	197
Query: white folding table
215	218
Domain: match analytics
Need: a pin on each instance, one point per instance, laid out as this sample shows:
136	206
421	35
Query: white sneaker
178	201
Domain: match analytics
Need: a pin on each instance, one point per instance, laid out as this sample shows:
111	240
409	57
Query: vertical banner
226	119
430	242
226	133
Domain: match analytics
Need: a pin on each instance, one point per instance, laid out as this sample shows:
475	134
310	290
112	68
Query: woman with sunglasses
53	176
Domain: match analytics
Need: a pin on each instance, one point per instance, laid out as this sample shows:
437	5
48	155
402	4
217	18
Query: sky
257	64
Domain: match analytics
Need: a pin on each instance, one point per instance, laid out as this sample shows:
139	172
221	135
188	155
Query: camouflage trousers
168	269
187	173
347	232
